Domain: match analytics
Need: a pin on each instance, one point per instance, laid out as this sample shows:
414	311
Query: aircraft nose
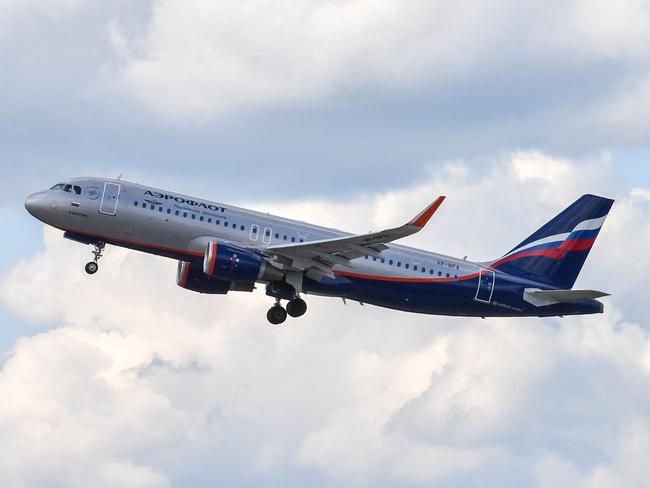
35	204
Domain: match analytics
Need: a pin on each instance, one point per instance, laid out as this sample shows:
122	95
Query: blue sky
350	114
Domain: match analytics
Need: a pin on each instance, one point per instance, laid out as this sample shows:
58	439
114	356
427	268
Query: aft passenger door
110	198
485	286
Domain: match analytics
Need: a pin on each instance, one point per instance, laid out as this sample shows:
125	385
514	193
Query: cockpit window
68	188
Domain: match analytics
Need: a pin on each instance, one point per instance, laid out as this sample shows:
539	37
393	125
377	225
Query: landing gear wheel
92	267
296	307
276	315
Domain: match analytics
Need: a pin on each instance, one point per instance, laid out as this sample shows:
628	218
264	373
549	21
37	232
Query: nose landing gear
92	267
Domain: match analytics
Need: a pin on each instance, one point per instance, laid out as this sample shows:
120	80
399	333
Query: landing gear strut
92	266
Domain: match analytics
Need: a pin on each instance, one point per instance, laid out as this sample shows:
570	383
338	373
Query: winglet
424	216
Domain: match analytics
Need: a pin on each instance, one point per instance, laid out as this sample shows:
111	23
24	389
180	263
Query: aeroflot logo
186	202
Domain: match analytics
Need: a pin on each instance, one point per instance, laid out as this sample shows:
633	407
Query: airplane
222	248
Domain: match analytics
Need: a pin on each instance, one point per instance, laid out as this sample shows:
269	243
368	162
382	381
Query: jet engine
227	262
193	278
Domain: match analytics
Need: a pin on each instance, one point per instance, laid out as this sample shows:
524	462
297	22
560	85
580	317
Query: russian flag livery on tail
555	254
222	248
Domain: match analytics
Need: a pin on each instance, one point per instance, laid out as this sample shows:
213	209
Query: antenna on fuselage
120	177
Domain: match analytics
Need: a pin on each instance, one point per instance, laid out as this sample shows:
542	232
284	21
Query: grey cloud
497	76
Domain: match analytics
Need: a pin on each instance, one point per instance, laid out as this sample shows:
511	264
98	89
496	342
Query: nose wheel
92	267
295	308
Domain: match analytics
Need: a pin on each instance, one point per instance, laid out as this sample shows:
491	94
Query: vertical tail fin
555	254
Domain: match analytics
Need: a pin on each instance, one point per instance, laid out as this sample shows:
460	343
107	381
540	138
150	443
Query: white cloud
141	383
205	59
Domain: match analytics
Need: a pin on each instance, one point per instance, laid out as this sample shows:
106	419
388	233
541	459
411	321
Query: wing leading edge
323	255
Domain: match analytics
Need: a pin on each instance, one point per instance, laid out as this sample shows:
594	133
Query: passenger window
193	216
439	273
448	275
293	239
383	260
217	222
209	220
399	264
406	265
284	238
277	236
267	233
242	228
390	262
415	268
185	214
424	270
153	207
144	205
234	226
169	210
135	204
160	209
366	257
430	271
374	258
302	240
177	212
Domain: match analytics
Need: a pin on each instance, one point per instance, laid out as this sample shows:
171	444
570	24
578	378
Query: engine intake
227	262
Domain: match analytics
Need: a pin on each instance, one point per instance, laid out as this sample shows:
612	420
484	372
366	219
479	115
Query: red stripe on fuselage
184	252
560	253
401	279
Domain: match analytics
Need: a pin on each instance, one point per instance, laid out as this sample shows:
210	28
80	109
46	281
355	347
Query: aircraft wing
325	254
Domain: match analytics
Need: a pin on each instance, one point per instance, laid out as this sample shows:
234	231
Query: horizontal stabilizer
542	298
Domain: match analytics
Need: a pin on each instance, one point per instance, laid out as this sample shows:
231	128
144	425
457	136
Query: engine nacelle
227	262
193	278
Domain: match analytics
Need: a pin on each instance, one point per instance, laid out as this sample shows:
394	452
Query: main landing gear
296	307
92	267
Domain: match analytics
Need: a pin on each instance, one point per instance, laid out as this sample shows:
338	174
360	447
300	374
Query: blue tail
555	254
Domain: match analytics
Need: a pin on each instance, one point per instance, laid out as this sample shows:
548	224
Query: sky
347	113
